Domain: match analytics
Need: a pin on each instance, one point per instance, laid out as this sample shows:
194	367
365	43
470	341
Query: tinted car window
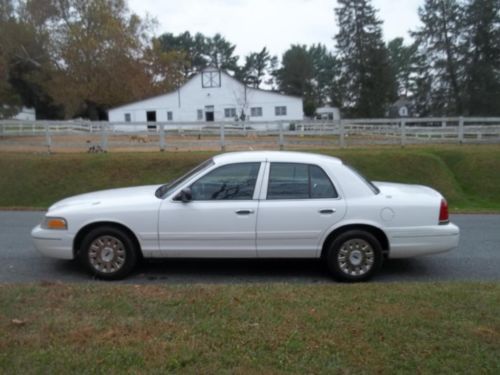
321	186
170	187
298	181
229	182
288	181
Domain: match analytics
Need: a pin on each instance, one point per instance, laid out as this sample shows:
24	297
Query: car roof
276	156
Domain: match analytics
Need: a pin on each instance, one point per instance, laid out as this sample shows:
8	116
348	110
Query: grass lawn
251	329
468	176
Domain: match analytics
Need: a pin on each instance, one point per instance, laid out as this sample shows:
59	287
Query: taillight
443	212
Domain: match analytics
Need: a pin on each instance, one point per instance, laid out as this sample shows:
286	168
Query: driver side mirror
185	195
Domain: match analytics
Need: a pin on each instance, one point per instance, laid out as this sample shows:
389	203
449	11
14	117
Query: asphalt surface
477	258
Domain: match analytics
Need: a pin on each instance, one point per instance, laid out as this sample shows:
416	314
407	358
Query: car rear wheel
108	253
354	256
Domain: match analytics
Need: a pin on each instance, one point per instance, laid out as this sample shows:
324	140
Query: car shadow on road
269	270
237	271
233	270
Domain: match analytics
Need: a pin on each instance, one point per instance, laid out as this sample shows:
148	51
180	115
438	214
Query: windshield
171	186
368	182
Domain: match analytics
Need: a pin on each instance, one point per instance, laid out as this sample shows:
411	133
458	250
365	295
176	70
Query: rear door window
299	181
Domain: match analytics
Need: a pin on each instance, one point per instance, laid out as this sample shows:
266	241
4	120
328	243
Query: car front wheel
354	256
108	253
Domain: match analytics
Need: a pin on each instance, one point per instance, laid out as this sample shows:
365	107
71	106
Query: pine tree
483	57
441	50
257	66
404	65
309	72
325	73
296	72
366	76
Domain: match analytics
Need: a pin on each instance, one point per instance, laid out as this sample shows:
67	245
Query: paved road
477	258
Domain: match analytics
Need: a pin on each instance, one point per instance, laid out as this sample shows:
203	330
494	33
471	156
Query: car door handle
327	211
244	212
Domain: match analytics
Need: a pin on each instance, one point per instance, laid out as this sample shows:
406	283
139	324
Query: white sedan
252	205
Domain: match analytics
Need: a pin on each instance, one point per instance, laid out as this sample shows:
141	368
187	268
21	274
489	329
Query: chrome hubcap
356	257
107	254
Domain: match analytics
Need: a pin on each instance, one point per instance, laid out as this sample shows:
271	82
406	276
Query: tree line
78	58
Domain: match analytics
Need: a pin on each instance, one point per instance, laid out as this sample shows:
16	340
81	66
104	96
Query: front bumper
53	243
412	242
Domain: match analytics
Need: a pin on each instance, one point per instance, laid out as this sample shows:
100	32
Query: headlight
55	223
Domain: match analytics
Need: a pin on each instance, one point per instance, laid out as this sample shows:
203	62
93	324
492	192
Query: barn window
280	111
170	116
230	112
200	114
210	79
256	111
127	117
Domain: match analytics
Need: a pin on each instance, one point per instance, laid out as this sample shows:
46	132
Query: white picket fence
105	136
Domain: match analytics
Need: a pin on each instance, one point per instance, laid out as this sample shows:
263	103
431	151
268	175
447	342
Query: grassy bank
409	328
467	175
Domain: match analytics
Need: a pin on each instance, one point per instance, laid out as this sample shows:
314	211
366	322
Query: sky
275	24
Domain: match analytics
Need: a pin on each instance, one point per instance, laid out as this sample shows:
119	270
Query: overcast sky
276	24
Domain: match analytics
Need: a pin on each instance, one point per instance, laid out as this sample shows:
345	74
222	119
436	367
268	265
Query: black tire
108	253
354	256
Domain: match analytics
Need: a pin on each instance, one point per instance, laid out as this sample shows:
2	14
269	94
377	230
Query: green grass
213	329
469	176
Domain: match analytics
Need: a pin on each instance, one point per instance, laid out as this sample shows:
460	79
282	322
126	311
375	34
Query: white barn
211	95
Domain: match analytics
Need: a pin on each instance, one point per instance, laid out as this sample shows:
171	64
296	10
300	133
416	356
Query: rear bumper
53	243
412	242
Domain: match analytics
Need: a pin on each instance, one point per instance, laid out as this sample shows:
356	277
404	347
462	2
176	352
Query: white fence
104	136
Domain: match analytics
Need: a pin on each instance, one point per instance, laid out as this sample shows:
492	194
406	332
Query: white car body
406	215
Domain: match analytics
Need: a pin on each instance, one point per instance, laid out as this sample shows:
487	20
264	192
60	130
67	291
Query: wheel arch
77	242
379	234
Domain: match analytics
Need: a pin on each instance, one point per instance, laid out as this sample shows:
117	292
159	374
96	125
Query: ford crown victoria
252	205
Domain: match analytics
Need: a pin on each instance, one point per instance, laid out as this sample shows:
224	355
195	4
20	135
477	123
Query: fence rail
105	136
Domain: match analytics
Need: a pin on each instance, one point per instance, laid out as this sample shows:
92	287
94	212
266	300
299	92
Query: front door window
229	182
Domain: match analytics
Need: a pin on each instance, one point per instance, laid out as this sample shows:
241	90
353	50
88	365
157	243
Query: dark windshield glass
166	189
368	182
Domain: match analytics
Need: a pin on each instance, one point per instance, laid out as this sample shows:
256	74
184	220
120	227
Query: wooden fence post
281	138
48	139
342	133
104	137
403	133
222	138
162	137
460	130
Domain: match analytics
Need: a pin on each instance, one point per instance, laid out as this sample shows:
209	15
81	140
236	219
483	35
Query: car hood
111	196
395	189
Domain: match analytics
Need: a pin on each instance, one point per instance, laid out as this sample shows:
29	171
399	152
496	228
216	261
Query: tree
25	39
257	66
441	48
296	74
366	75
97	57
310	72
201	51
482	84
10	101
168	69
220	53
325	75
403	61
